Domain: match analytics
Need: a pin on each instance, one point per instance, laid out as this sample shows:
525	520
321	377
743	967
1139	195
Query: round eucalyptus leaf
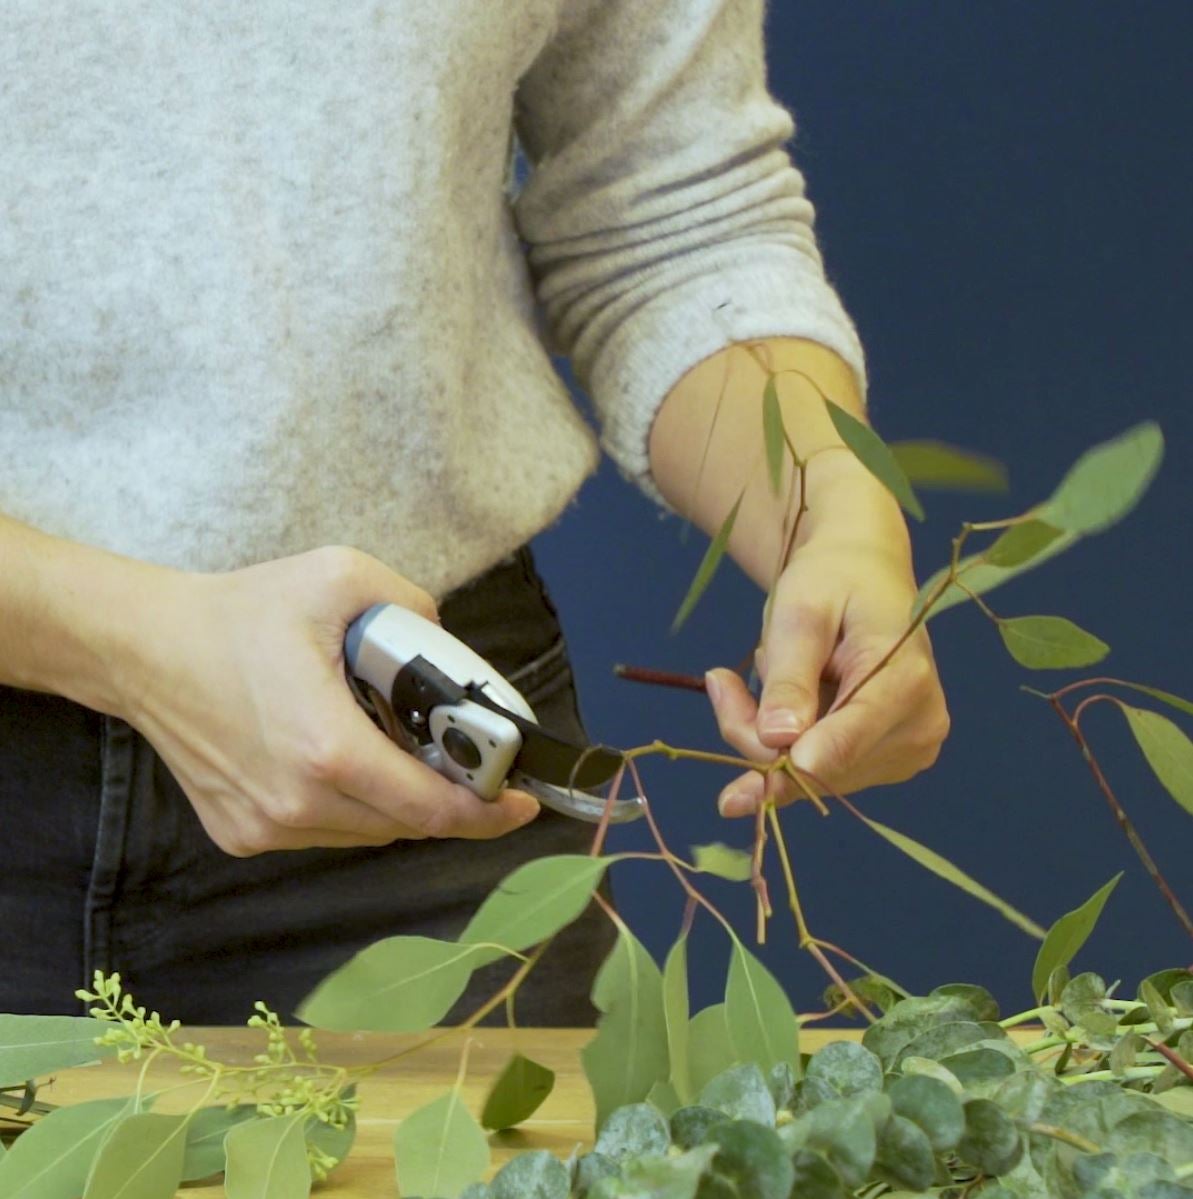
691	1125
931	1105
991	1141
980	1067
476	1190
1024	1095
534	1175
590	1169
1155	1132
982	1005
1165	980
912	1066
843	1130
847	1067
1181	997
943	1039
741	1092
753	1157
635	1130
905	1155
815	1178
908	1019
782	1080
811	1091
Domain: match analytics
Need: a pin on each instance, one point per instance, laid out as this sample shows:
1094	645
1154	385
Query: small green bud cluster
135	1032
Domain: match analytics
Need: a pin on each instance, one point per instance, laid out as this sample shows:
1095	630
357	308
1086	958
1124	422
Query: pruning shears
442	702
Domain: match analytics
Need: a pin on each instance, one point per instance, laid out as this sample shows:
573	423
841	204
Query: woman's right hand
238	683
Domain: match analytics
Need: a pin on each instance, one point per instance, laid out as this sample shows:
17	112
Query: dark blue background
1004	202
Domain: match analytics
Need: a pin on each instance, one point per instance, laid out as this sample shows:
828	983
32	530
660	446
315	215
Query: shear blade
580	805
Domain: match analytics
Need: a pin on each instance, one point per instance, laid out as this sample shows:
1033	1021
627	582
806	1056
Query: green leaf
535	901
773	434
761	1021
1107	481
634	1130
741	1093
724	861
937	464
205	1132
517	1094
34	1045
676	1016
708	566
1050	642
1175	701
665	1177
335	1142
980	577
1168	751
991	1141
1021	543
1066	937
399	984
52	1159
938	865
439	1149
535	1175
846	1067
267	1159
875	456
905	1155
628	1055
142	1159
752	1159
709	1049
933	1106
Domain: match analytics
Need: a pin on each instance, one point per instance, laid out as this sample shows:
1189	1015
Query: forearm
700	465
68	615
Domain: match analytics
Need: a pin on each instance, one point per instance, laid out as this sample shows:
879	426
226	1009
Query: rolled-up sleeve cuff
724	299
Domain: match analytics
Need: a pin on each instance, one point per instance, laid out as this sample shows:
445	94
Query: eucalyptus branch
1072	723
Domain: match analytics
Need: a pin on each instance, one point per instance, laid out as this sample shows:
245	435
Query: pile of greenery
938	1098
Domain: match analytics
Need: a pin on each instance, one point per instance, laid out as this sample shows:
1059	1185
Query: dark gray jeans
104	865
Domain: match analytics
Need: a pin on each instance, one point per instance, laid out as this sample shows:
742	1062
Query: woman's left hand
840	604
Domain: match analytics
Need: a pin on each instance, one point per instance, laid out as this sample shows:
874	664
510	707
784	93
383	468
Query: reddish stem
660	678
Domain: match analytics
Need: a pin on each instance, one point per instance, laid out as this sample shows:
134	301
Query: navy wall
1004	199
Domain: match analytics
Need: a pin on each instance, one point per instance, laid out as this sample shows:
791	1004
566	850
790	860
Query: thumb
799	641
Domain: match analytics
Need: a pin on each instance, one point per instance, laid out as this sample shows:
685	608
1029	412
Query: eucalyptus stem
1072	723
1069	1138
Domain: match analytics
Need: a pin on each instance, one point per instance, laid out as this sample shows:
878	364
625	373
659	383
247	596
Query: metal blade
580	805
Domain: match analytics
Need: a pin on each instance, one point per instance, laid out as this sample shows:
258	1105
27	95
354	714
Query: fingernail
735	803
780	722
713	686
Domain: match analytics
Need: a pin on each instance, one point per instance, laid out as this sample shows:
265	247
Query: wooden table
564	1120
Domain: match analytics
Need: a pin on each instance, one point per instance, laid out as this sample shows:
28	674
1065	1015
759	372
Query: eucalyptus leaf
843	1132
1050	642
205	1132
937	464
905	1155
1156	1007
335	1142
940	866
847	1067
690	1125
708	566
982	1005
399	984
52	1159
677	1017
773	434
628	1055
990	1141
1159	1132
665	1177
742	1093
815	1177
1106	482
752	1159
709	1050
31	1046
1168	751
439	1149
1181	997
1066	937
517	1094
875	456
722	860
1174	701
761	1021
141	1159
535	901
634	1130
932	1106
664	1097
534	1175
912	1066
1021	543
267	1159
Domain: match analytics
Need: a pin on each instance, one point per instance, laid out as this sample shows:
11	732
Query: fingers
801	636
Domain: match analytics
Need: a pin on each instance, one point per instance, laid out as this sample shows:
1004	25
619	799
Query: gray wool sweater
264	284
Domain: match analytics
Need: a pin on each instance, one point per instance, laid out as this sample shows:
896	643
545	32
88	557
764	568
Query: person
275	345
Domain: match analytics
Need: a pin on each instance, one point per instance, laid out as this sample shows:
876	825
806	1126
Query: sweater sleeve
663	217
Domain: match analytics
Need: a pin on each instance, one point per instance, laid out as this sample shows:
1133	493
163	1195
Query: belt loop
117	745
